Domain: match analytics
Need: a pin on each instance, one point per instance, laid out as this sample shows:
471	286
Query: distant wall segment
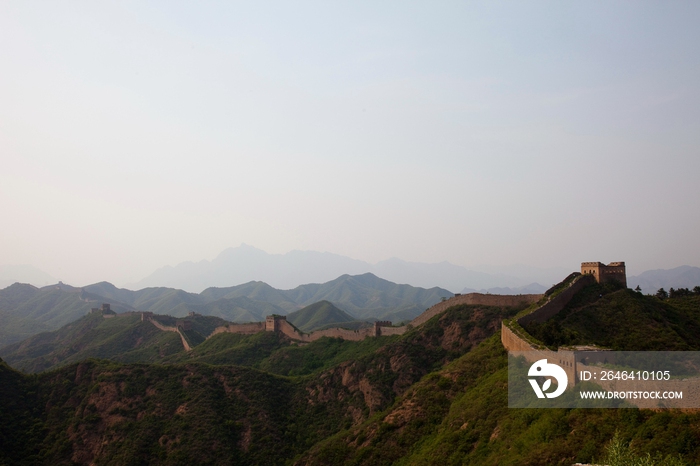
246	329
275	323
476	298
166	328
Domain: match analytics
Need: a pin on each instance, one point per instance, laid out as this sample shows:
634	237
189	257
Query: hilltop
125	338
27	310
623	320
319	315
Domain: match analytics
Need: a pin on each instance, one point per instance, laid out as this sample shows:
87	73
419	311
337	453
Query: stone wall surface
289	330
386	331
512	342
162	327
556	304
345	334
476	298
246	329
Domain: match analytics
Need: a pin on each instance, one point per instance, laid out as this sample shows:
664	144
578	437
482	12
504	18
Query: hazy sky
139	134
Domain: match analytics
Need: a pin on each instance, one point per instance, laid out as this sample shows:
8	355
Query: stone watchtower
614	271
272	322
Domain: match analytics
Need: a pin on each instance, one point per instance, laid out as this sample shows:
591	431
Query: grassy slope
318	315
368	296
231	348
188	414
436	395
122	338
26	310
623	319
22	426
198	413
459	415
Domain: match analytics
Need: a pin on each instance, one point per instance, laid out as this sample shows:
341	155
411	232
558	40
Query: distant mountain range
286	271
364	296
26	310
10	274
679	277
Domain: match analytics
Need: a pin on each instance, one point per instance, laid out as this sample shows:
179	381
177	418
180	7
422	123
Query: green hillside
257	291
222	414
238	309
459	415
318	315
367	296
622	319
123	338
435	395
27	310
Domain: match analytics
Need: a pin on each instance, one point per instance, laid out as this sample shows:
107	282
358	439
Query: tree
661	294
620	453
680	292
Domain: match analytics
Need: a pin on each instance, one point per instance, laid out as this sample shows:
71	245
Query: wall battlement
476	298
590	272
603	273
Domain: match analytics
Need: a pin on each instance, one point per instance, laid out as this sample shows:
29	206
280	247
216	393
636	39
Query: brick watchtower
614	271
272	322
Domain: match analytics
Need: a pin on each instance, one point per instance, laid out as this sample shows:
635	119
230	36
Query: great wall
513	335
166	328
515	338
576	360
277	323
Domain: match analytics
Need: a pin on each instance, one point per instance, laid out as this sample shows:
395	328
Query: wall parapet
557	301
515	343
515	338
245	329
476	298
